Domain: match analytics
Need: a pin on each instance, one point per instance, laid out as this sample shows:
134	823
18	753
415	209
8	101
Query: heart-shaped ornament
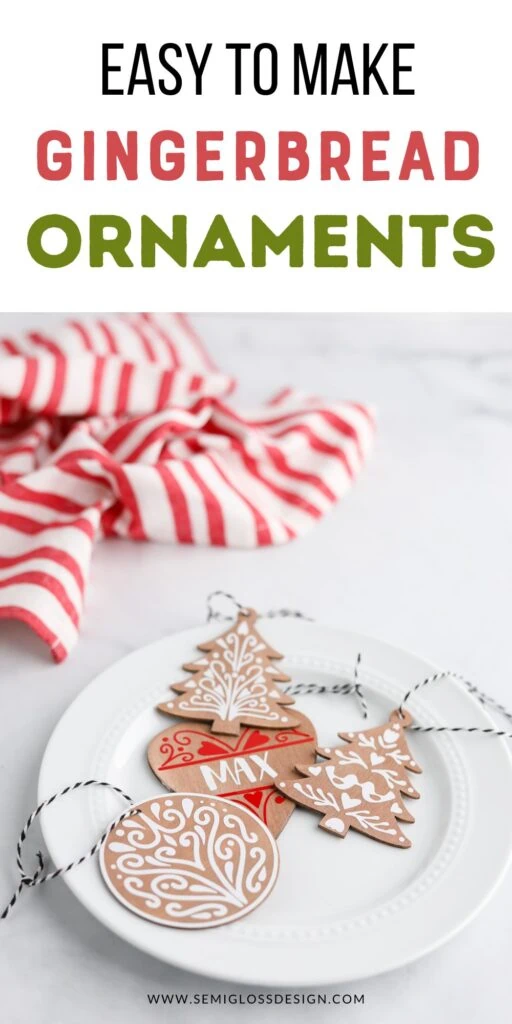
190	758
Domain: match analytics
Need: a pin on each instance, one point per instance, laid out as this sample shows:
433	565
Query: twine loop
483	698
27	881
215	615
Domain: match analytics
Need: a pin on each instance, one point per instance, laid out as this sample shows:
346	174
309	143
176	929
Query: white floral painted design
234	683
360	785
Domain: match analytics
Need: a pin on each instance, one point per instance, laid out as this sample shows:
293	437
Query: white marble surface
420	554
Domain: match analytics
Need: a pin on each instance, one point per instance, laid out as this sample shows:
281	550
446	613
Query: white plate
341	909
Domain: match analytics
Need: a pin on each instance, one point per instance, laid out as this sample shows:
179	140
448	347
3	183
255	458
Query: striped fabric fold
124	427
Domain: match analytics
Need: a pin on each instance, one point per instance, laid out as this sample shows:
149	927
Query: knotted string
26	881
301	689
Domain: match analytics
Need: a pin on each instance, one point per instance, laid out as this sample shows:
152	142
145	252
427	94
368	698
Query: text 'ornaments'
189	757
188	861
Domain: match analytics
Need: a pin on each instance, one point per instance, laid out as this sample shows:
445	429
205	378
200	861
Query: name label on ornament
240	768
191	758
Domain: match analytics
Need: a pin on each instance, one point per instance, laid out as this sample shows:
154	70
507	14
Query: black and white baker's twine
38	878
482	697
343	689
214	615
302	689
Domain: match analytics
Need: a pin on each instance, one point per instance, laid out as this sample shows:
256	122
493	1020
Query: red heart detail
207	747
256	739
253	798
192	749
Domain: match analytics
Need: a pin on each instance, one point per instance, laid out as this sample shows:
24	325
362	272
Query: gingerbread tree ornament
360	785
234	683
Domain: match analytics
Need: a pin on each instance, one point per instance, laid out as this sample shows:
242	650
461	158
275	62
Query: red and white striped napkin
122	427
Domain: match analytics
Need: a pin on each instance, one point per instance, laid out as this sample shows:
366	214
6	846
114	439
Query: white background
50	78
419	554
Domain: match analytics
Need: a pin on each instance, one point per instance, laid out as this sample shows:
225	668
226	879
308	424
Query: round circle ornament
190	861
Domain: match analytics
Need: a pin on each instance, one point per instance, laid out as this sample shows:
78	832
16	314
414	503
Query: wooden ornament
359	785
234	683
189	757
189	861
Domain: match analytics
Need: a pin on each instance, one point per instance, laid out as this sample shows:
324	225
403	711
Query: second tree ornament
360	785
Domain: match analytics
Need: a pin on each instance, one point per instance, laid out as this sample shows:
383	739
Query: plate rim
241	975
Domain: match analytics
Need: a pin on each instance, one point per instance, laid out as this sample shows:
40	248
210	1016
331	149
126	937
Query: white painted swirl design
190	861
